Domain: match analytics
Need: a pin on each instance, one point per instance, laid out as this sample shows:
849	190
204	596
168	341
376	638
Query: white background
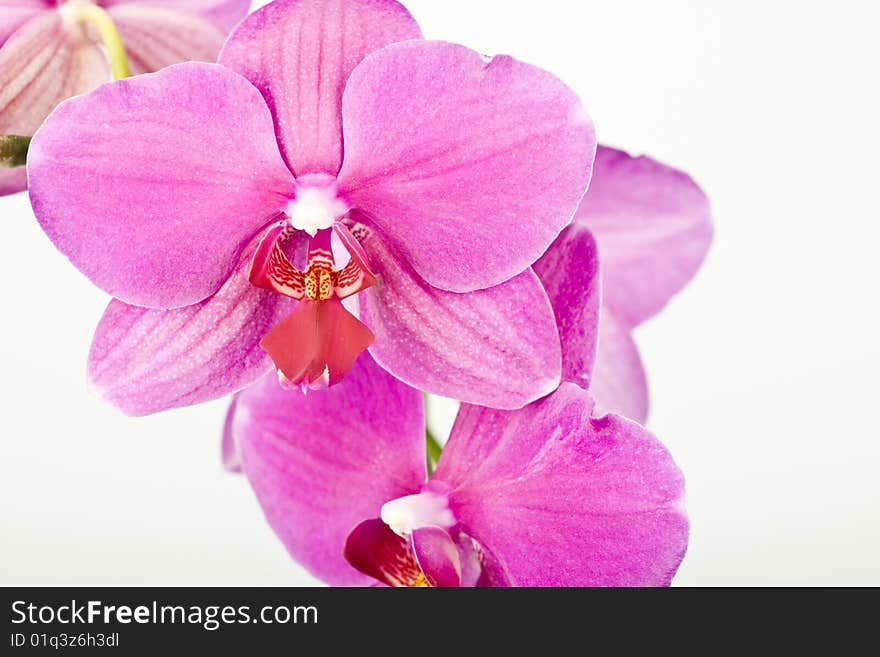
763	372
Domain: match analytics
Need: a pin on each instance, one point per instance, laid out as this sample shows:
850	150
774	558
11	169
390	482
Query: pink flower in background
547	495
207	199
652	227
47	54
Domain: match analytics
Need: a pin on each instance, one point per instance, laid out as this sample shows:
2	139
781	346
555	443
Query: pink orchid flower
49	52
547	495
212	200
652	228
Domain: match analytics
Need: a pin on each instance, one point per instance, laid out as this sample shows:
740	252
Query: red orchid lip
319	341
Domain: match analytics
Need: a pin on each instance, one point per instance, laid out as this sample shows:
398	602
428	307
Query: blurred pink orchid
208	198
49	52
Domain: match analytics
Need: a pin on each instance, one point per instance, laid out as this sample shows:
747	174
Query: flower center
320	340
315	208
320	279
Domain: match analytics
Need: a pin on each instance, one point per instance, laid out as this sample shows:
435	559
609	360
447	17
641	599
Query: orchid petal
153	185
471	168
40	65
299	53
156	37
569	271
15	13
271	268
323	462
437	556
562	499
226	13
497	347
145	360
653	227
373	549
619	384
356	276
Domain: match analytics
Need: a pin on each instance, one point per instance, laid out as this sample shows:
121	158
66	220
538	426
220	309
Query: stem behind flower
100	19
13	150
433	449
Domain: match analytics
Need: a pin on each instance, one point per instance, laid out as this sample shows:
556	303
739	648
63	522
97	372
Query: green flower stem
86	12
13	150
434	450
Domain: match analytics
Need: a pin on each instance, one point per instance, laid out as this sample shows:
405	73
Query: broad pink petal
146	360
373	549
230	454
226	13
299	54
14	14
619	384
153	185
497	347
569	271
653	228
563	499
40	65
437	556
323	462
470	167
156	37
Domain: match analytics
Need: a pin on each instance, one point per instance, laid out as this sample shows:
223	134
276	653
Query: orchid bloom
647	226
547	495
213	202
51	50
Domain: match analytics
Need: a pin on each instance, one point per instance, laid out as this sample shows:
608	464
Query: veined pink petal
299	54
144	361
470	167
619	384
226	13
156	37
322	463
153	185
14	14
497	347
653	228
41	64
563	499
569	271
